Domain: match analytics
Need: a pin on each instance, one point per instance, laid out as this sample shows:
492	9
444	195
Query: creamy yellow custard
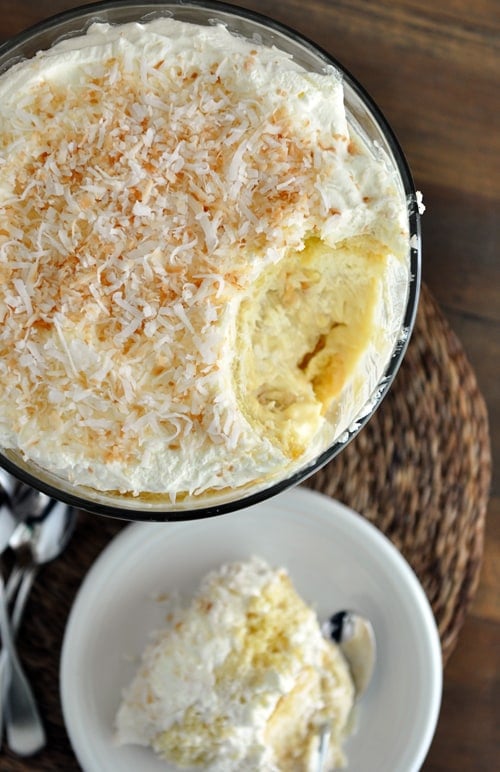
309	322
203	269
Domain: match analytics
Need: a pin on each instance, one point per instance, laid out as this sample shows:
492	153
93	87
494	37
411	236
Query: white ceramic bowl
336	559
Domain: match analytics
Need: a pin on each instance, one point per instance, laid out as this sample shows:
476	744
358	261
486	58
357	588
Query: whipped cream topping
241	679
151	177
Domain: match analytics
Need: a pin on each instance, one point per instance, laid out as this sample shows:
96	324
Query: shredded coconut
149	175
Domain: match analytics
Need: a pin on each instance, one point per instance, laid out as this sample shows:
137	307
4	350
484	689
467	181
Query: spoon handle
13	583
15	578
20	581
25	732
25	583
323	747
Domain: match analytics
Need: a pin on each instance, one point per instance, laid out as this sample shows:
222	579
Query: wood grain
434	69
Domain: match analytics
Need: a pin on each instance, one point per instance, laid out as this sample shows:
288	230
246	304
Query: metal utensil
17	502
37	539
7	485
35	543
323	746
355	636
28	719
27	735
27	502
8	521
8	524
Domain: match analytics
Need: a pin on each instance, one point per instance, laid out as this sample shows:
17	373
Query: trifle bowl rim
74	22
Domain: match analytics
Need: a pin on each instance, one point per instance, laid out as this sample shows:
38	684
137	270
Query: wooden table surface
434	70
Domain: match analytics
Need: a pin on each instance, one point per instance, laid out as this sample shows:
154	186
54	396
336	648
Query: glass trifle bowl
210	258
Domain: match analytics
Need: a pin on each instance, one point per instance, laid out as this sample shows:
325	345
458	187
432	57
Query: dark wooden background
434	69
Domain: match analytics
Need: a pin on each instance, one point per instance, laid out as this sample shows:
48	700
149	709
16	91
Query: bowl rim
126	507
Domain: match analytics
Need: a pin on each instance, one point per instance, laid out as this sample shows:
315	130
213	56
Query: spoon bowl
355	636
7	485
38	541
30	503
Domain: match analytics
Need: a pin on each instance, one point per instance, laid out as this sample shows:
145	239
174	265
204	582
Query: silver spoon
29	720
356	639
29	734
39	540
7	484
8	520
28	502
8	524
355	636
35	543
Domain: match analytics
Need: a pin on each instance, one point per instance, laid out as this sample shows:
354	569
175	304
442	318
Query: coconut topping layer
240	679
169	193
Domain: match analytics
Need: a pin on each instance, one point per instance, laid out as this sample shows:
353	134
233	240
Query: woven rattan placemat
419	470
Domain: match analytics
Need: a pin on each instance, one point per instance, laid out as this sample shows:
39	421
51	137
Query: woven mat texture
419	470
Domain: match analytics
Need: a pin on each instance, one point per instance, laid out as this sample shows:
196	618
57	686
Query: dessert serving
204	265
241	678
